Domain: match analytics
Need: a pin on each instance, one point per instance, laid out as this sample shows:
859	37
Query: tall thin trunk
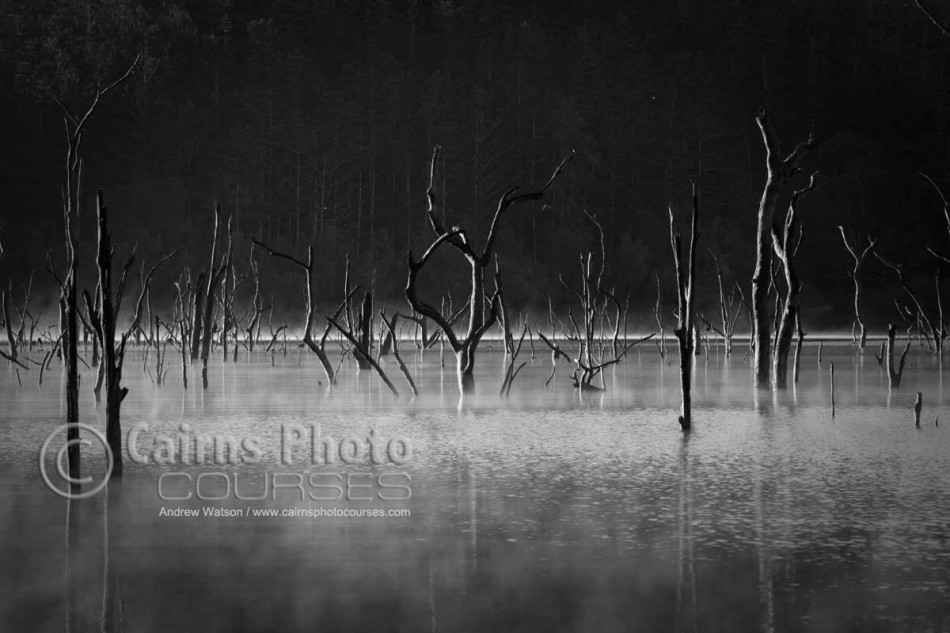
786	246
779	171
685	276
208	300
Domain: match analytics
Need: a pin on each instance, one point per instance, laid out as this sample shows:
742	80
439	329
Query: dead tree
511	350
385	339
946	212
358	323
608	294
394	338
160	343
685	276
479	322
359	351
943	258
855	273
202	330
590	360
894	376
196	328
427	340
360	338
943	28
212	277
318	347
227	296
182	319
779	172
729	306
785	242
937	331
103	315
504	320
257	304
658	315
11	339
800	343
68	282
16	328
511	372
5	298
832	389
364	328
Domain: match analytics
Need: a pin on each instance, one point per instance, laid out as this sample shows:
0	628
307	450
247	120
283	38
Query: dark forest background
313	122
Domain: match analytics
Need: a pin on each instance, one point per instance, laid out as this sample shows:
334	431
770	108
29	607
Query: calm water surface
540	512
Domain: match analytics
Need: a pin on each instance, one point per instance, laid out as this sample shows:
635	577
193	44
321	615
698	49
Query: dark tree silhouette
478	321
103	314
685	306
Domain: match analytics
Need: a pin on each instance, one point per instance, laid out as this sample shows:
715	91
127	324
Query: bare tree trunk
511	351
208	301
15	340
786	246
391	328
894	376
934	324
227	290
71	359
183	335
318	347
253	328
197	311
11	339
658	315
728	310
779	172
103	315
207	320
364	332
856	278
799	345
465	359
685	276
365	354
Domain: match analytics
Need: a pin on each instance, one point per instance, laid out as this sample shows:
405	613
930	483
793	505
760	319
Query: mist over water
546	510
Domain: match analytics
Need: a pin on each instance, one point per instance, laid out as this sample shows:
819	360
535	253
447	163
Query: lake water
543	511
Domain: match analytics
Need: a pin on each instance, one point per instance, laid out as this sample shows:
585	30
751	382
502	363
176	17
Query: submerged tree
317	346
855	273
779	172
685	276
481	316
589	331
360	337
894	376
13	337
103	314
730	307
394	346
68	282
785	242
206	324
936	329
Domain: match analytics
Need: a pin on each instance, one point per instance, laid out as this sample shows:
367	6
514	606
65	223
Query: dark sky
313	122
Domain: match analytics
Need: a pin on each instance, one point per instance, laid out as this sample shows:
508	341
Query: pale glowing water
542	511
